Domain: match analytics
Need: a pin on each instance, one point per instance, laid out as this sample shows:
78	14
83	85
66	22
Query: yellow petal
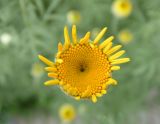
98	94
104	43
51	82
51	69
107	47
45	60
112	81
74	34
58	55
115	68
94	98
59	61
116	55
77	97
100	35
52	75
104	86
120	61
66	38
114	49
92	46
85	38
60	47
103	91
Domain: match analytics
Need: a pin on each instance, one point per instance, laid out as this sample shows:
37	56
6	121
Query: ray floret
45	60
66	38
107	41
53	69
94	98
85	39
100	35
120	61
60	47
51	82
114	49
74	34
117	55
114	68
107	47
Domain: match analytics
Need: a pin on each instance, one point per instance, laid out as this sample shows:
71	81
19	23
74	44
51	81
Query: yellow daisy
122	8
125	36
67	112
73	17
82	68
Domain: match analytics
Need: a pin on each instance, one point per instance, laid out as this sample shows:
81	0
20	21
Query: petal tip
77	98
94	99
39	56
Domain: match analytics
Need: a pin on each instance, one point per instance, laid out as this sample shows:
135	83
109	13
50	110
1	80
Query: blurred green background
32	27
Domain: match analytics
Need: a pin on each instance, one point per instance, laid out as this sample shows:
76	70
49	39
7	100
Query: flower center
124	5
83	67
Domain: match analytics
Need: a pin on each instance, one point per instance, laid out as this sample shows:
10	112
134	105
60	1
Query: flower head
125	36
67	112
82	68
122	8
73	17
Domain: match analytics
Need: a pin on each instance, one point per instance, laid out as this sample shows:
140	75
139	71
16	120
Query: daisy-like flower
67	113
122	8
82	68
125	36
73	17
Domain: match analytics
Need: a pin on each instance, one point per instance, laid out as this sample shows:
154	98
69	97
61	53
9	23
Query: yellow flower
73	17
67	112
125	36
122	8
82	68
37	70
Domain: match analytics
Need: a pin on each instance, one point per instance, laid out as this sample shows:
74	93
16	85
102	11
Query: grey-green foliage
36	26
